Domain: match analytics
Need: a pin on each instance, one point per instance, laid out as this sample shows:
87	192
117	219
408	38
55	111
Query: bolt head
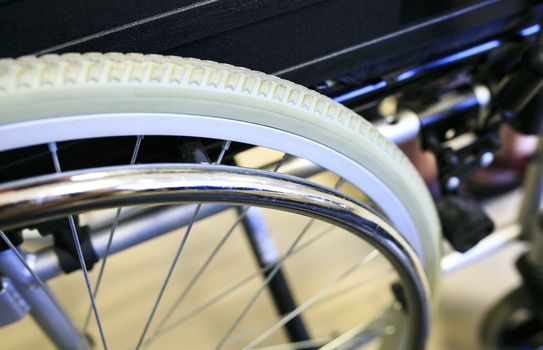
486	159
452	183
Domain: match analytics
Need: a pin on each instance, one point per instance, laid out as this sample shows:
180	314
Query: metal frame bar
44	308
266	253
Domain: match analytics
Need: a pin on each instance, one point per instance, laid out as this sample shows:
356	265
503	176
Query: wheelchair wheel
68	107
513	323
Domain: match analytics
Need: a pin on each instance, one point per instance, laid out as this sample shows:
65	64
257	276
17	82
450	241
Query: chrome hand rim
45	197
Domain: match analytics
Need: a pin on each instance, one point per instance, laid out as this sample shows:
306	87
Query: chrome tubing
406	124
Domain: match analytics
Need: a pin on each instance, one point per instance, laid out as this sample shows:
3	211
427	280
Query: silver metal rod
174	306
228	291
293	166
166	282
139	224
110	239
259	291
321	293
265	248
403	127
45	310
75	236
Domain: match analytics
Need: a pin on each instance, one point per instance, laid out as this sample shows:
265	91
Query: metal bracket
14	307
451	115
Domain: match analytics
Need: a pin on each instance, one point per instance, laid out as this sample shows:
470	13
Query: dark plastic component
464	222
456	110
445	117
193	151
513	323
47	228
399	294
65	247
532	276
529	120
520	90
461	163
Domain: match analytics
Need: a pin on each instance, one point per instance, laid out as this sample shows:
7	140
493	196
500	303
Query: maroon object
504	175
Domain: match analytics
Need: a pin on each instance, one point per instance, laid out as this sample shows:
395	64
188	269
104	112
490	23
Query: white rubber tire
52	87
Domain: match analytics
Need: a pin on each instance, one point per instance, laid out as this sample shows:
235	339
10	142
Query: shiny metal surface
405	126
45	197
484	98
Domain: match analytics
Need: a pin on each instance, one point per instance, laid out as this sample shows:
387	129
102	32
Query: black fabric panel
302	40
30	26
299	35
413	10
409	44
306	46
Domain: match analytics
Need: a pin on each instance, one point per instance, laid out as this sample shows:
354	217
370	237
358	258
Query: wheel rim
81	127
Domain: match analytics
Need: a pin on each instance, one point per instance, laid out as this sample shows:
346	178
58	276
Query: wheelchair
265	207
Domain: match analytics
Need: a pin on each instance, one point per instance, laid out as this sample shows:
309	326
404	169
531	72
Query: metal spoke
168	277
208	261
272	274
21	258
194	279
45	309
299	345
75	236
178	253
239	337
110	239
329	297
378	276
315	298
251	302
199	309
224	148
362	334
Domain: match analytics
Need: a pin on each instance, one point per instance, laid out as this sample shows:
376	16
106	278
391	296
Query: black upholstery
303	40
